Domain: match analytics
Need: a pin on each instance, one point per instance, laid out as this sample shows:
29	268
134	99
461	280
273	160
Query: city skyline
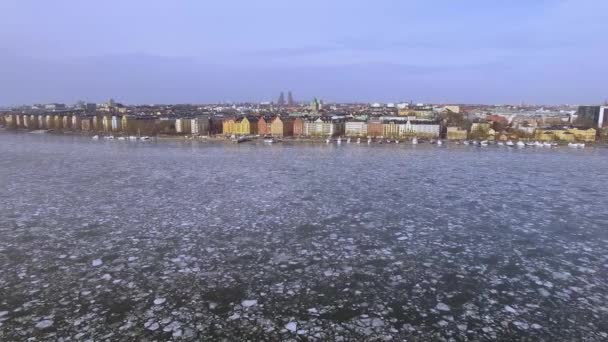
183	52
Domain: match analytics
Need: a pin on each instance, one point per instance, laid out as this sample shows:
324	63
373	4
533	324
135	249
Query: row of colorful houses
327	127
278	126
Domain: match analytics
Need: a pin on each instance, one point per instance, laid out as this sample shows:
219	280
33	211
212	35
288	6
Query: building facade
456	133
298	127
355	128
228	126
199	126
246	125
282	127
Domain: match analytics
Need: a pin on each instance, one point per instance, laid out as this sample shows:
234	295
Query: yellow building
587	135
245	126
281	127
390	130
456	133
546	135
570	134
228	127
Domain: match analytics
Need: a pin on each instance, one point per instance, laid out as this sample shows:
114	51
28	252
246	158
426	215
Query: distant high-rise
592	116
290	101
281	101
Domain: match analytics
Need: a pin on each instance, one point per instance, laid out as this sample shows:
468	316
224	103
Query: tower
281	101
290	101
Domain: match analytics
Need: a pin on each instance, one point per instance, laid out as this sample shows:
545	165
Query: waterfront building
427	129
282	126
355	128
228	126
246	125
323	127
97	123
183	125
76	122
165	125
10	120
66	122
199	126
30	122
49	122
566	134
215	125
264	125
106	123
391	129
41	121
375	128
86	124
586	135
139	125
116	123
57	122
592	116
456	133
298	127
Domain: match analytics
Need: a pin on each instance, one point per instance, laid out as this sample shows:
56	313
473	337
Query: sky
191	51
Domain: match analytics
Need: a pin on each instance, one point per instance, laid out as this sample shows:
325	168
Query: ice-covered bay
119	241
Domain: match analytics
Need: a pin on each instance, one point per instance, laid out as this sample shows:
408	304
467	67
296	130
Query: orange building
298	127
282	127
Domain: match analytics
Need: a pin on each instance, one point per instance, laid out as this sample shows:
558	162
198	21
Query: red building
264	124
375	129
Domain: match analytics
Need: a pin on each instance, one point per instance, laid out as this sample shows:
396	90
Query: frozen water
44	324
249	302
370	243
442	307
291	326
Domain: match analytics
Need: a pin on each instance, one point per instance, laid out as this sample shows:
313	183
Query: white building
322	127
199	126
422	129
116	123
182	126
356	128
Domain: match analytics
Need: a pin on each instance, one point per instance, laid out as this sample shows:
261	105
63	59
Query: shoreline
289	140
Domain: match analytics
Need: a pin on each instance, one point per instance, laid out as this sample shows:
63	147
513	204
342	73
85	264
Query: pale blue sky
150	51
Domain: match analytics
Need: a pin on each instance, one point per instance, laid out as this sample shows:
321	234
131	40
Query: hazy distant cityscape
287	118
